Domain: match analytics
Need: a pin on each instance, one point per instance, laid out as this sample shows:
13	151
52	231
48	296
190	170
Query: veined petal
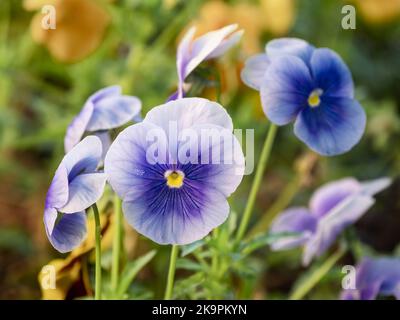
254	70
218	162
332	128
285	89
331	194
289	46
334	222
68	232
226	44
331	74
84	157
57	195
203	46
84	191
112	112
296	220
176	216
133	160
77	128
187	112
182	59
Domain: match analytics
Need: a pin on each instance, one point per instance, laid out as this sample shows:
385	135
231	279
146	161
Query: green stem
317	275
97	294
117	241
262	163
171	272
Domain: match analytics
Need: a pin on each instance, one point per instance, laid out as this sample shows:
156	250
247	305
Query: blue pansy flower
104	110
75	187
165	197
312	88
375	277
332	208
192	52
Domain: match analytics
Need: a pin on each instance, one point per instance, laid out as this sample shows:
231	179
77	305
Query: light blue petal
68	233
77	128
84	191
289	46
113	112
332	128
84	157
331	74
293	220
254	70
57	195
285	89
334	222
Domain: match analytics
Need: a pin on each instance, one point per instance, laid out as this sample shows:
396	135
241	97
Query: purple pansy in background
332	208
192	52
374	277
176	201
75	187
104	110
312	88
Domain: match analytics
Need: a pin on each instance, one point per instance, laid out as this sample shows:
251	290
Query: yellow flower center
314	98
174	178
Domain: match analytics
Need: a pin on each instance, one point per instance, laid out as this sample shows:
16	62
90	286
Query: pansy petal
334	222
331	74
332	128
226	44
130	162
289	46
296	220
254	70
182	59
68	232
57	195
285	89
84	157
379	276
373	187
111	91
84	191
175	216
331	194
187	112
113	112
77	128
203	46
218	161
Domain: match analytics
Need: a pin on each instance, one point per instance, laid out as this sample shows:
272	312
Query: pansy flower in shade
191	52
375	277
332	208
104	110
75	187
312	88
167	197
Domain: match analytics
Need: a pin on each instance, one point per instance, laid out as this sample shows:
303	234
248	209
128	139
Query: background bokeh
45	77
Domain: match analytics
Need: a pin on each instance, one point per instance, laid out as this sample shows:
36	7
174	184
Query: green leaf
263	240
188	264
188	249
131	270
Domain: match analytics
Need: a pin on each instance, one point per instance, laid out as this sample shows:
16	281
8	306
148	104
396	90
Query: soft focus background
46	77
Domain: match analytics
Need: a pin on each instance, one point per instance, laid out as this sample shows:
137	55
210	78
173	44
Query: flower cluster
312	87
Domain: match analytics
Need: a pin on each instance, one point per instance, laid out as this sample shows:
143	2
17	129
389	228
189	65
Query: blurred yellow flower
378	11
80	27
274	16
